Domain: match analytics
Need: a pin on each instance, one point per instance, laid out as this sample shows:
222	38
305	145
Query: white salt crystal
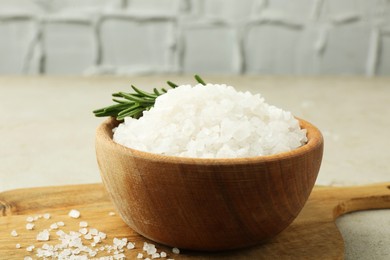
30	248
176	250
60	233
83	231
140	256
60	223
155	255
83	224
46	216
27	258
43	236
130	246
94	231
74	213
213	121
102	235
111	213
119	243
88	236
119	256
54	226
18	246
163	254
30	219
30	226
14	233
96	239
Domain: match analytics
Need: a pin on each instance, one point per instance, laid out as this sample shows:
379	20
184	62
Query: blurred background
122	37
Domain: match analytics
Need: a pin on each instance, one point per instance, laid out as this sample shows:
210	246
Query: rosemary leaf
134	104
200	80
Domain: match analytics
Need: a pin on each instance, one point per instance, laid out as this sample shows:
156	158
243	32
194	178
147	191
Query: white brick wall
308	37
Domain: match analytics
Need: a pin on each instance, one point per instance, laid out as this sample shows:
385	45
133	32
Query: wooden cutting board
313	234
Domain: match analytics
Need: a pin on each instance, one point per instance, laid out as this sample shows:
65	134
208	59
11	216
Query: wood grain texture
313	233
208	204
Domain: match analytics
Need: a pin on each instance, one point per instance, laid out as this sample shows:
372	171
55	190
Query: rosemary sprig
134	104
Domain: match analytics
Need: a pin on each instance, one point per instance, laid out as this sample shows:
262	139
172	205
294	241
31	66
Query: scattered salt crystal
60	233
30	219
94	231
30	248
54	226
83	224
18	246
130	245
119	243
30	226
176	250
83	231
60	223
102	235
88	236
14	233
46	216
119	256
27	258
74	213
96	239
155	255
140	256
43	236
163	254
111	213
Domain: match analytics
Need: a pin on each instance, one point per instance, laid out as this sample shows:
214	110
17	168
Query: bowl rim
104	134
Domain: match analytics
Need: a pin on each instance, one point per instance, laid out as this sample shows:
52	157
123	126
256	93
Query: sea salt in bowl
208	204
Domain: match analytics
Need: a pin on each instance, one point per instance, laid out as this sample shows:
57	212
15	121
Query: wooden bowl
208	204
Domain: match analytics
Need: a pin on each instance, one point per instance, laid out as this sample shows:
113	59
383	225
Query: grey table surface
47	134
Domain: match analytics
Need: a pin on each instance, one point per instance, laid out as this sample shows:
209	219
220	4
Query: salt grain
30	226
213	121
30	248
163	254
83	231
102	235
43	236
94	231
111	213
96	239
30	219
27	258
18	246
140	256
54	226
88	236
74	213
130	245
46	216
60	223
83	224
176	250
14	233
